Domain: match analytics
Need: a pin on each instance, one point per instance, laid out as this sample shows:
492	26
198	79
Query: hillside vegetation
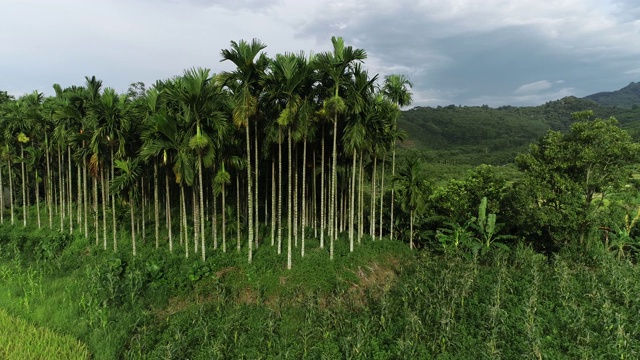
480	134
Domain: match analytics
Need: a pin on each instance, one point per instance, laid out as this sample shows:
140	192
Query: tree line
274	149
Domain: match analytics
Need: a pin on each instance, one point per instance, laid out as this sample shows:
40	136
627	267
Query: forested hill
628	97
480	134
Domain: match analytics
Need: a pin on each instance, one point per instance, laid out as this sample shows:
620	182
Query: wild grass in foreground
23	341
380	302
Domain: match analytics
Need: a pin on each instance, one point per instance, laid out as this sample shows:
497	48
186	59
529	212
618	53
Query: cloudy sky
468	52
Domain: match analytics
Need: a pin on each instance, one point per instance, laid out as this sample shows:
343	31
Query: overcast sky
467	52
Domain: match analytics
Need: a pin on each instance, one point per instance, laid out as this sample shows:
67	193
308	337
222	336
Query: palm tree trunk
255	186
303	193
289	205
393	175
104	212
273	201
372	223
133	228
381	195
11	191
37	199
49	179
167	201
238	212
352	208
70	186
113	200
224	220
85	197
79	198
361	200
322	189
249	196
142	210
95	212
201	206
183	221
334	187
279	191
24	188
61	189
196	219
156	210
214	220
411	229
295	208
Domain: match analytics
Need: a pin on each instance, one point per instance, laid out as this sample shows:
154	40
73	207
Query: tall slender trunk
156	210
85	190
289	205
238	209
352	208
95	212
279	191
334	186
214	220
322	189
113	200
372	223
142	209
296	209
393	175
183	221
133	228
224	220
315	198
167	201
249	196
273	201
61	189
24	188
11	191
79	198
70	187
361	200
381	195
196	219
411	229
49	179
303	193
37	199
104	211
255	186
201	207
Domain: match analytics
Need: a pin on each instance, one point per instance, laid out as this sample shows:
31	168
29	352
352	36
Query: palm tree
412	190
244	83
285	81
396	88
337	65
126	183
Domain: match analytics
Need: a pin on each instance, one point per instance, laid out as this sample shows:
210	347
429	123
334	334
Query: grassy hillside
381	302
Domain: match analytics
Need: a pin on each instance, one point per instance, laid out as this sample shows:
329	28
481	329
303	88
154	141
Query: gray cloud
493	52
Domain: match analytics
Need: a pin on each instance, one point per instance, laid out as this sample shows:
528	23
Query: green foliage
568	177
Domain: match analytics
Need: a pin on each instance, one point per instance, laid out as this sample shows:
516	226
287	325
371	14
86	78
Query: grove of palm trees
273	211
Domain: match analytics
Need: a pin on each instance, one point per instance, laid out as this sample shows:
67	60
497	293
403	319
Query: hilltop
481	134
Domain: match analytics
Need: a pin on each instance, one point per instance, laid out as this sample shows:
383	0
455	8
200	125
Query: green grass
382	301
22	341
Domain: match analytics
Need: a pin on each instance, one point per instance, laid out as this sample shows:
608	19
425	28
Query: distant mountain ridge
480	134
625	98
